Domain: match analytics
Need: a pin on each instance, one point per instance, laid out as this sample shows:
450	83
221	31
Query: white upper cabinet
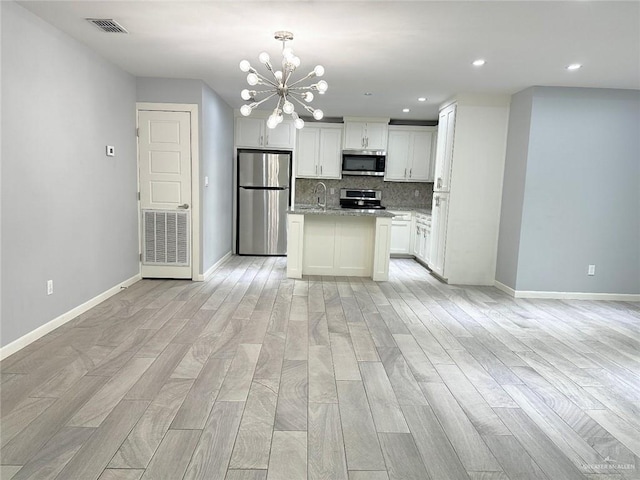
370	135
319	152
253	132
409	154
444	151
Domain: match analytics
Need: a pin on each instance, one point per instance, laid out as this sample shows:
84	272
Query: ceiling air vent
107	25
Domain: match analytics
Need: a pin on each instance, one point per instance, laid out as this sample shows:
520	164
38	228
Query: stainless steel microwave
364	162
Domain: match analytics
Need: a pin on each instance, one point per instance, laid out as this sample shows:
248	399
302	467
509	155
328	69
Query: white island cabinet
335	242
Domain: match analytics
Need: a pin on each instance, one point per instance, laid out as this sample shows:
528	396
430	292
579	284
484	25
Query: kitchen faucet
323	205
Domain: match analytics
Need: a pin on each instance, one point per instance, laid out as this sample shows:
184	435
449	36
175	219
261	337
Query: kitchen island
341	242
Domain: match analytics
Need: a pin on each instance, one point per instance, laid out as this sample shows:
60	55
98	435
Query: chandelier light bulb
252	79
319	70
279	118
278	75
322	86
288	107
287	52
245	94
318	114
295	61
245	110
272	121
299	123
264	58
308	97
245	65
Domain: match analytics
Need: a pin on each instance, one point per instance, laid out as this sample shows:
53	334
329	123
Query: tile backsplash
394	194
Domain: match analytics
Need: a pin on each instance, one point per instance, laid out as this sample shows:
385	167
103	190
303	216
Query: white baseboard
214	267
618	297
42	330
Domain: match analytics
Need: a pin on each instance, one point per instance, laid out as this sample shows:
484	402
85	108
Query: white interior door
164	162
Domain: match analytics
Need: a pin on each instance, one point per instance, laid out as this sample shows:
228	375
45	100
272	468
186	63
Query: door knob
184	206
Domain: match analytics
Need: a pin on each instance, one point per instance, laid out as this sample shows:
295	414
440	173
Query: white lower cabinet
439	239
422	237
401	229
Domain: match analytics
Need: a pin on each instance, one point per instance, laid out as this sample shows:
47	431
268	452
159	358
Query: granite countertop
426	211
343	212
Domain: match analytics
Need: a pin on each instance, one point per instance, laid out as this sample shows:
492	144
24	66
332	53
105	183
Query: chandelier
281	86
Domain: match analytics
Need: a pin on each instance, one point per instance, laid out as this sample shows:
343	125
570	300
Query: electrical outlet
332	191
206	181
416	193
111	151
49	287
591	270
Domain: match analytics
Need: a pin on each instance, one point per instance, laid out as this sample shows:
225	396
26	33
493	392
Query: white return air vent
165	237
107	25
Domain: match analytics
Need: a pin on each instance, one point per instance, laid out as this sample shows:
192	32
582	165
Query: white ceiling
396	50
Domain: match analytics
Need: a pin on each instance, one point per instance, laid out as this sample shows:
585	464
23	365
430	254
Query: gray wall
68	211
217	164
581	201
513	187
215	120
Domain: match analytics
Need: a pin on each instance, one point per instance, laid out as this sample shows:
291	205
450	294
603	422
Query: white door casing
169	238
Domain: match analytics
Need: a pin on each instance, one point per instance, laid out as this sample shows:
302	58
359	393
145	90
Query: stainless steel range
361	199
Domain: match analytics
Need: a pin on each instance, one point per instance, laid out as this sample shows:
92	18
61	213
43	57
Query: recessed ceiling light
367	94
574	66
422	99
479	62
406	110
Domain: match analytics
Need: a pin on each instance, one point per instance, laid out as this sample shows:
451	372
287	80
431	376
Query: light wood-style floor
255	376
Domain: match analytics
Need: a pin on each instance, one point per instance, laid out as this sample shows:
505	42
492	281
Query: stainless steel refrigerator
263	197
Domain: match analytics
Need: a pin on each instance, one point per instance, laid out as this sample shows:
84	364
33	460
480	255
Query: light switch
111	151
206	181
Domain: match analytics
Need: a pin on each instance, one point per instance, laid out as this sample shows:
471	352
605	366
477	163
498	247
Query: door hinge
138	195
140	258
137	132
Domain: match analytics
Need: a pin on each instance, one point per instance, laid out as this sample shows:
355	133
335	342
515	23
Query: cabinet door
307	152
417	234
401	237
249	132
444	155
330	157
398	156
354	135
420	156
376	136
283	136
426	245
440	212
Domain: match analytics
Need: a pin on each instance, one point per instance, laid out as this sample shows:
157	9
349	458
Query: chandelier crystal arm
255	104
265	79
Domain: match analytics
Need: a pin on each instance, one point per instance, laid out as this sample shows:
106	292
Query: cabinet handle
439	183
367	142
320	169
405	173
267	140
410	172
260	142
316	169
437	201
